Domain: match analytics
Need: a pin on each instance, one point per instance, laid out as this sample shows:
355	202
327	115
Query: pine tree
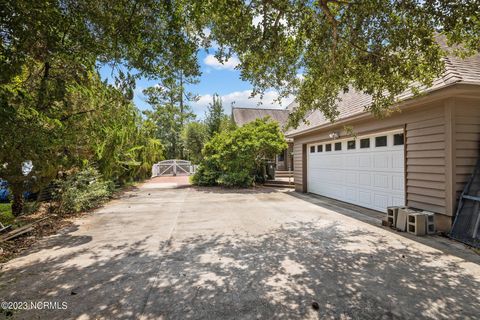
214	116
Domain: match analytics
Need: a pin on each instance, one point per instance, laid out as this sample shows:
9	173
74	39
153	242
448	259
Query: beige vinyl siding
424	150
297	165
467	141
425	162
441	149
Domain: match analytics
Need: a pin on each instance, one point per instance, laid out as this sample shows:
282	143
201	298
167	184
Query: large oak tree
317	49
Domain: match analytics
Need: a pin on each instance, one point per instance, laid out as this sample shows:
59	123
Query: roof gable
242	116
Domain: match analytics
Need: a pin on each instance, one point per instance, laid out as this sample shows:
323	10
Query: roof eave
366	115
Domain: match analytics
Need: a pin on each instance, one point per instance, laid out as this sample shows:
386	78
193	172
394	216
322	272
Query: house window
351	144
328	147
281	157
320	148
381	141
338	146
398	139
312	149
365	143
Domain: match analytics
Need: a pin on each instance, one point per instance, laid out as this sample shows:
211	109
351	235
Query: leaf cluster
234	158
315	50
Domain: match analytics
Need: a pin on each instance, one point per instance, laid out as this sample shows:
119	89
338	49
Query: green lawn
6	216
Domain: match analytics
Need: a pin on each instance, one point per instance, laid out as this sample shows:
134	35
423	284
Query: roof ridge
256	108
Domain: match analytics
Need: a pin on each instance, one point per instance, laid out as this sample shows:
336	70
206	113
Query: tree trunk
181	113
17	205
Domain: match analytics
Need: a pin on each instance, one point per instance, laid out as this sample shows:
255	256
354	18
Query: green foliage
60	115
317	49
82	190
216	119
58	112
194	136
171	112
88	121
125	148
6	216
233	158
146	35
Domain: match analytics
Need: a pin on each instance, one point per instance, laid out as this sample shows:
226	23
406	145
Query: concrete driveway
162	252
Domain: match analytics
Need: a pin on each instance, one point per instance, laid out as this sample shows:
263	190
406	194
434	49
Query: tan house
421	156
241	116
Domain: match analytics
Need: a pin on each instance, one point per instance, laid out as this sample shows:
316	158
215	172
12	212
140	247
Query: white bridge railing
173	168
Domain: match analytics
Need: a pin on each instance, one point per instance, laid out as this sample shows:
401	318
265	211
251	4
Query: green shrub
235	158
6	216
206	175
82	190
236	179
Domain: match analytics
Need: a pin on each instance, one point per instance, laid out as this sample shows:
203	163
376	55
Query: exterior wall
467	142
425	160
298	166
289	156
441	149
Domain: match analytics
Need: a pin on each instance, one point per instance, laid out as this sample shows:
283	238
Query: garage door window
398	139
381	141
365	143
328	147
351	145
338	146
319	148
312	149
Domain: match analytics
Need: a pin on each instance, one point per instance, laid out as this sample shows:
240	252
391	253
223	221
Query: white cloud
242	99
257	20
230	64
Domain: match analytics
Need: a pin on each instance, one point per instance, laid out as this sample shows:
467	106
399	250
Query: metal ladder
461	228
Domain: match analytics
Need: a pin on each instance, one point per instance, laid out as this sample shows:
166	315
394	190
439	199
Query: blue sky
216	78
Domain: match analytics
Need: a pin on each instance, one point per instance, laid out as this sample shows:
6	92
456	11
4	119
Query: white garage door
367	171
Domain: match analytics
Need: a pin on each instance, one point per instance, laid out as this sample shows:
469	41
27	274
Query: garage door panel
365	198
381	181
398	201
351	194
351	161
381	161
365	179
372	177
365	161
398	183
380	200
351	178
398	163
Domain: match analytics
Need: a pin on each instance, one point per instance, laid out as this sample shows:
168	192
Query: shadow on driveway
372	217
351	274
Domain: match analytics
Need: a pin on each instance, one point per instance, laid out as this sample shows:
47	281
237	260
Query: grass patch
6	216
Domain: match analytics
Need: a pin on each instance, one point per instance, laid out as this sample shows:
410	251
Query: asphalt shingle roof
242	116
352	103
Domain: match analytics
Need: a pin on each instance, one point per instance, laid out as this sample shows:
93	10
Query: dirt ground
171	251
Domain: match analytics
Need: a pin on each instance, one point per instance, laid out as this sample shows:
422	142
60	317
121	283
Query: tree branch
64	118
331	18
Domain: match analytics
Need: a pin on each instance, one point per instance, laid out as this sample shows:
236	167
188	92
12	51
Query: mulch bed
42	224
